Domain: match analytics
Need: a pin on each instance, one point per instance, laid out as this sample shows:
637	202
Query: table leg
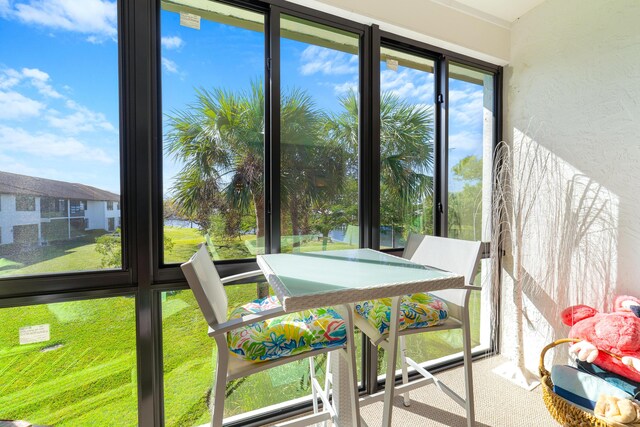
345	377
392	355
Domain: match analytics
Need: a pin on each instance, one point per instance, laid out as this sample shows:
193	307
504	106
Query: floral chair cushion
416	311
286	335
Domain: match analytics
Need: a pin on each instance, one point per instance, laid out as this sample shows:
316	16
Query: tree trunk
295	224
258	202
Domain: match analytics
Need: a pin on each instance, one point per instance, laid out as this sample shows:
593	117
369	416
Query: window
25	203
70	363
59	130
407	155
471	123
51	207
109	205
472	118
213	127
319	137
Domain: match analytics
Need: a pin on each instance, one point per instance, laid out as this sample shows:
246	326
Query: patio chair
457	256
260	335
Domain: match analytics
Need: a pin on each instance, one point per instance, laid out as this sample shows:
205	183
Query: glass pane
319	137
471	120
190	356
406	146
59	127
213	130
70	363
471	139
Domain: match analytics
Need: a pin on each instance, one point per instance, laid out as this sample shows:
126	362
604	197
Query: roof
11	183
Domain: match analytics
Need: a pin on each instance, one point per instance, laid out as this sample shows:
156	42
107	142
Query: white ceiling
506	11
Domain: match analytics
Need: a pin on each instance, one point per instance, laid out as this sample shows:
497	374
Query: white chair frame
208	289
457	256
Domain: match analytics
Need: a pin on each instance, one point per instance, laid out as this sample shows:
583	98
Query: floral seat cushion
286	335
416	311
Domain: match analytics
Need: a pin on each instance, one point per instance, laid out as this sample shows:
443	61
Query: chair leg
312	376
405	373
220	384
392	355
468	364
351	381
327	376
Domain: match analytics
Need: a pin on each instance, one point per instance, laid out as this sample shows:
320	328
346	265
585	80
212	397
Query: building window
109	205
25	203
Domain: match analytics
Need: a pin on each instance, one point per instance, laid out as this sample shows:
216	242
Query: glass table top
354	273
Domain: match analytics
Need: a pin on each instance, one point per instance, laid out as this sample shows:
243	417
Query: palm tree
219	141
406	151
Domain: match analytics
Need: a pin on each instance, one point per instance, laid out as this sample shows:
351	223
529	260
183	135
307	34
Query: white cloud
465	141
39	79
173	42
316	59
81	120
97	18
9	78
466	106
44	144
346	87
169	65
408	83
14	105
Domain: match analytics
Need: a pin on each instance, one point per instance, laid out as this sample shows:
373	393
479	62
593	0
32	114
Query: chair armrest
240	276
455	298
230	325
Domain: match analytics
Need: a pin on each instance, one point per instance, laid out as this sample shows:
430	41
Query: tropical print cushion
286	335
416	311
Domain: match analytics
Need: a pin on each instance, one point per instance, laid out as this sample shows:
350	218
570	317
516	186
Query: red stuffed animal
617	332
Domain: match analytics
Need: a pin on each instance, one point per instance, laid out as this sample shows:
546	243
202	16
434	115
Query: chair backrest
206	285
457	256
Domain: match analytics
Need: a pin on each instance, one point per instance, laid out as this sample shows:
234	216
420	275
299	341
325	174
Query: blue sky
59	88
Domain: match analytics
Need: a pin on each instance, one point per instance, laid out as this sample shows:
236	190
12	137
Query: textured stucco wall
572	115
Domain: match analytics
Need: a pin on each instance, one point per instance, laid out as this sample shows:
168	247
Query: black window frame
142	274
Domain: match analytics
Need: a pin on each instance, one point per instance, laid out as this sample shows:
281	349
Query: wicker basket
565	412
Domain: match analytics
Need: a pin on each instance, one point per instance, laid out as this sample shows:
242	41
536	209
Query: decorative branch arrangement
554	235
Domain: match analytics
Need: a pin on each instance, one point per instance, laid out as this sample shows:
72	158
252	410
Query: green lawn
86	374
83	376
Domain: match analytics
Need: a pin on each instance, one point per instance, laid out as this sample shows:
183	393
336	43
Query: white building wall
9	217
572	94
115	213
96	213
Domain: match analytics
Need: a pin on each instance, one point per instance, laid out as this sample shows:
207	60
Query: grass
86	371
65	255
86	374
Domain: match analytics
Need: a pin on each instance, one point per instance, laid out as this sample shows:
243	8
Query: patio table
338	278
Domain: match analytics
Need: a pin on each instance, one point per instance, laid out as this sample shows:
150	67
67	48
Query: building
38	211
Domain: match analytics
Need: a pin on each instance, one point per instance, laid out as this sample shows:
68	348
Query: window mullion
441	147
272	151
